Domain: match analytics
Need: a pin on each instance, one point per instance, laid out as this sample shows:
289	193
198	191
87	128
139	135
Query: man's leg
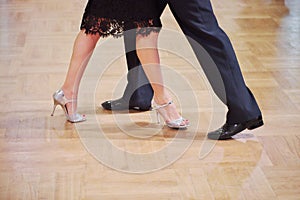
138	93
197	20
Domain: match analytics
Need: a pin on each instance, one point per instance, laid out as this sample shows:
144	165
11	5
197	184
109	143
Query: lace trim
146	27
106	26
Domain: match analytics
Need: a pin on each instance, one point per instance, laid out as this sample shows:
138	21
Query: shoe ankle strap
69	100
157	106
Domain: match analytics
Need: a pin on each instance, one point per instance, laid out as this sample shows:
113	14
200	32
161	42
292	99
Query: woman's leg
148	54
82	50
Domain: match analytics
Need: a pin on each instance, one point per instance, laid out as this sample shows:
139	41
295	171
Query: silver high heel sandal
176	124
60	99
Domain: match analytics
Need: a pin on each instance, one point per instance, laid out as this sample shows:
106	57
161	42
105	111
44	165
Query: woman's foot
71	105
68	105
170	115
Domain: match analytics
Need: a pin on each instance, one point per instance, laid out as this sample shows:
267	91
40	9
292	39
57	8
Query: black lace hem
112	27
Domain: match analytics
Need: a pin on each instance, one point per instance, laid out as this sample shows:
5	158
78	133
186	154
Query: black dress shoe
228	130
121	104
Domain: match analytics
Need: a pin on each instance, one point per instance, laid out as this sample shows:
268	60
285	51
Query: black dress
113	17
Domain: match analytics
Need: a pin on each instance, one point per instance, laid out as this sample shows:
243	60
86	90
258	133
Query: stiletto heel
157	117
54	106
60	99
176	124
55	103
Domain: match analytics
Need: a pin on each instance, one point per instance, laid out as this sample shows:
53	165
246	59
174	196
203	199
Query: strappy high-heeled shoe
60	99
176	124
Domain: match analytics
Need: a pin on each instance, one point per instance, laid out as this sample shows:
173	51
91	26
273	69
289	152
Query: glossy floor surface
123	155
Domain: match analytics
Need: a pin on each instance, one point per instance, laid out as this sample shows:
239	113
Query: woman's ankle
162	99
69	94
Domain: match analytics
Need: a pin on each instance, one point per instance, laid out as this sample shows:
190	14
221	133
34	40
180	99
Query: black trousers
199	24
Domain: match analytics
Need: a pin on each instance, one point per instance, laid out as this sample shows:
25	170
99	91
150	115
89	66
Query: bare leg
82	50
148	54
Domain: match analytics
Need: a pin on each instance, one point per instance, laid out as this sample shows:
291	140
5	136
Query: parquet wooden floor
43	157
